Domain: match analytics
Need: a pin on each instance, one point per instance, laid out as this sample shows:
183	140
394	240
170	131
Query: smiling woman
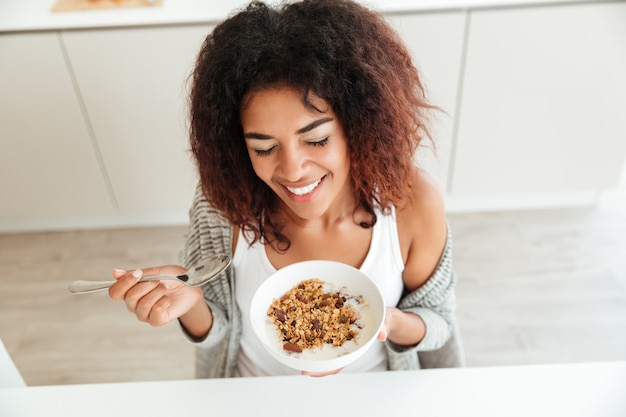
312	111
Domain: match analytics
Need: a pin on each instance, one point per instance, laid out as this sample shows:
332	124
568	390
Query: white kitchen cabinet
50	172
543	110
94	124
436	43
134	82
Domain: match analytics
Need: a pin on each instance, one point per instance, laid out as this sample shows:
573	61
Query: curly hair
342	52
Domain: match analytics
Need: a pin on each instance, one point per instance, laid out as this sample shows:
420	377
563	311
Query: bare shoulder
422	229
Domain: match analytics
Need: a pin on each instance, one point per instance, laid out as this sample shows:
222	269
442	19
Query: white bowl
340	277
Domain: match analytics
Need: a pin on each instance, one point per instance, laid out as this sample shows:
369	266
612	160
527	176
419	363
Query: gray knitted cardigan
216	355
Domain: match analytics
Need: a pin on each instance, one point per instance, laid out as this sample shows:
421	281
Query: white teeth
304	190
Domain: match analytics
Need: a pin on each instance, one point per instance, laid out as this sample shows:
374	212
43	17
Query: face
300	153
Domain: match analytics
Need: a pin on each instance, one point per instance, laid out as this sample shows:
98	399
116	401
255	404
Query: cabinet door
134	83
436	43
49	170
544	102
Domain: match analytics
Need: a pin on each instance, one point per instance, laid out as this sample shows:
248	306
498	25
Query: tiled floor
534	287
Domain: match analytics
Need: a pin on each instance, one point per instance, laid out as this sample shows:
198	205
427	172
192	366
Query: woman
304	122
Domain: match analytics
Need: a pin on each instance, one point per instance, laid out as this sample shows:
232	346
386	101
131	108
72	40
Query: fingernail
137	273
119	271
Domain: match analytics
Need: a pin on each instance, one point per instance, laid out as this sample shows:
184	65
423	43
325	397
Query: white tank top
383	264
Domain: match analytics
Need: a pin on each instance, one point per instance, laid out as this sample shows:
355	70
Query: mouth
300	191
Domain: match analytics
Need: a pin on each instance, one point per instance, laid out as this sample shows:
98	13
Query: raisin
290	347
280	316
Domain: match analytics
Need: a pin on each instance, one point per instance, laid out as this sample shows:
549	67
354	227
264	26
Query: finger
320	374
136	293
382	336
119	273
118	290
146	303
171	284
164	270
160	313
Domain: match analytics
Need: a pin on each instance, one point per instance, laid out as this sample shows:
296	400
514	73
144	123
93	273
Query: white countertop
572	390
35	15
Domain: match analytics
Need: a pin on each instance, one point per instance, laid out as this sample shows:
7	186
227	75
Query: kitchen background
95	174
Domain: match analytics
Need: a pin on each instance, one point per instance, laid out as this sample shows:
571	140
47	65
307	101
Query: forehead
285	99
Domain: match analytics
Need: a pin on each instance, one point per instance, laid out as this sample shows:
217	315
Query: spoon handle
81	286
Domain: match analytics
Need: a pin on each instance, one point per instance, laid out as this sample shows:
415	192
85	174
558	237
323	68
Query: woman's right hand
159	302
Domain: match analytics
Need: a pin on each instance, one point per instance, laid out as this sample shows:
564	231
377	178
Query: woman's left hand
402	328
319	374
384	332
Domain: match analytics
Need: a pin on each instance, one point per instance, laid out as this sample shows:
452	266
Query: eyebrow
307	128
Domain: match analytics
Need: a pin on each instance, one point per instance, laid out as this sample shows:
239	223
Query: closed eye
264	152
322	142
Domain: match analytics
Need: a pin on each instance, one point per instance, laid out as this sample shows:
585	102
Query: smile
304	190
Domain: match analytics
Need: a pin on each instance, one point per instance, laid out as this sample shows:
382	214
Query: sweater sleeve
435	303
209	234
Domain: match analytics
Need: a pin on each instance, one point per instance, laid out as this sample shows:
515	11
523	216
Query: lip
306	198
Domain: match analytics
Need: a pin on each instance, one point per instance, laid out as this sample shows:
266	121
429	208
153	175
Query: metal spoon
200	274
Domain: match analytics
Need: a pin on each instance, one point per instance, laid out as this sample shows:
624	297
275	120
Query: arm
423	318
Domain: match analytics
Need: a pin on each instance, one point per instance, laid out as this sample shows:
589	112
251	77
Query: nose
291	163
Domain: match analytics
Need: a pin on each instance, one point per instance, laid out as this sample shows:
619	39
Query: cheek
340	161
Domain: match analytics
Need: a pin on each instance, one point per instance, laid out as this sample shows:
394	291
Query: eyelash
265	152
320	143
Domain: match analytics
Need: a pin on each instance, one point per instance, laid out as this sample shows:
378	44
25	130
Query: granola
307	316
